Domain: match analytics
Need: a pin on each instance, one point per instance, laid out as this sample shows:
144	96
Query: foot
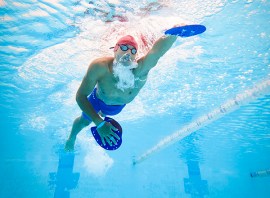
70	144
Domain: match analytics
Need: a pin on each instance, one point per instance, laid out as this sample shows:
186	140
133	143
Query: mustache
125	57
126	62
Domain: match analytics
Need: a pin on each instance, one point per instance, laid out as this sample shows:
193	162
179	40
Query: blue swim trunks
99	105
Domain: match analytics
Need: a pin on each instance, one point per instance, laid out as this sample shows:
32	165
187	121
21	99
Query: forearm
88	109
163	44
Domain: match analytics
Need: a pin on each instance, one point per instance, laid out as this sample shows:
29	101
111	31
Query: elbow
78	97
81	98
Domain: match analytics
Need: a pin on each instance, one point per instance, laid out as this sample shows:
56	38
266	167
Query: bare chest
108	92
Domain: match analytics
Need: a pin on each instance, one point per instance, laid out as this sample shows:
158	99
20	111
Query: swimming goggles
126	48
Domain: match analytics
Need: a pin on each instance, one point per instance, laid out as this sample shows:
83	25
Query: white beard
122	71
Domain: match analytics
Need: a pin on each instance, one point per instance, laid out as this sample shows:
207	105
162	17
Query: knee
84	122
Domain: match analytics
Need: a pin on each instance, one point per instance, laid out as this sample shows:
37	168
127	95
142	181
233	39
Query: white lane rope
229	106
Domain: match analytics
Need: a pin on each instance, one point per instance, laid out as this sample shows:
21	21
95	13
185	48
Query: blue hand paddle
187	30
118	132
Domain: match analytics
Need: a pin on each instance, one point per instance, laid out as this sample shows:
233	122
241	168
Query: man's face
123	64
125	54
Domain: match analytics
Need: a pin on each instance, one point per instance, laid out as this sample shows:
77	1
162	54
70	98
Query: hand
106	133
175	26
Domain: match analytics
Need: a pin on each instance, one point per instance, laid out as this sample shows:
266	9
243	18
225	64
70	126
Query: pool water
45	49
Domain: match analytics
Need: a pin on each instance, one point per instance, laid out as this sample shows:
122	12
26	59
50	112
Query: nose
127	55
128	52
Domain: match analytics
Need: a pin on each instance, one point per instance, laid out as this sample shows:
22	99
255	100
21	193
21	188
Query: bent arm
160	47
94	72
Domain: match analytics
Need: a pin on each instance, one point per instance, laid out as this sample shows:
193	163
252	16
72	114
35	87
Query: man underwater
112	82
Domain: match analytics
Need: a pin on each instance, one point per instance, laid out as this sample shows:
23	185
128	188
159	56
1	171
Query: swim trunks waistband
99	105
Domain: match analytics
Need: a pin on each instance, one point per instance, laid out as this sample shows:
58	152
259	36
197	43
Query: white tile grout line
229	106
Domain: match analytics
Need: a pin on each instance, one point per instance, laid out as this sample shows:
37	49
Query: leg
78	124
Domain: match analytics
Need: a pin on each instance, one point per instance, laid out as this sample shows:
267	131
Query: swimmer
112	82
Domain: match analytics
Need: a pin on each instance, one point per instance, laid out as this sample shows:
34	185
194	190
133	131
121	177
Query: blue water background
43	60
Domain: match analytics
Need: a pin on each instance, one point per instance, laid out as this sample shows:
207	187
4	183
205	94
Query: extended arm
160	47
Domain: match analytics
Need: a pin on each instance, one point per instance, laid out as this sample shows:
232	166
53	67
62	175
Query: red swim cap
127	40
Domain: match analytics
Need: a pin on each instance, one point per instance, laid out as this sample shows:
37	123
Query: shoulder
100	64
